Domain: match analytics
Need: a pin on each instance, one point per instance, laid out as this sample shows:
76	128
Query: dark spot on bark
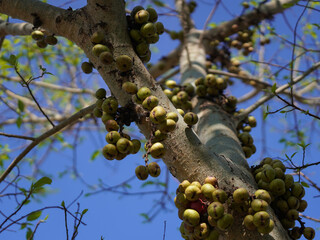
101	6
58	19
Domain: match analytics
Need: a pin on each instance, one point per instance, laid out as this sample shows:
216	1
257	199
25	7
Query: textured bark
213	148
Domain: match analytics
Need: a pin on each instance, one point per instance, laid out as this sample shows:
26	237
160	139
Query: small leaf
34	215
317	25
41	182
84	211
158	3
293	154
62	204
12	60
305	184
127	185
95	155
20	105
23	225
147	183
46	218
19	121
145	216
274	88
29	233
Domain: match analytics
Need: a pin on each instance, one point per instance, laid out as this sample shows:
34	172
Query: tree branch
278	90
44	136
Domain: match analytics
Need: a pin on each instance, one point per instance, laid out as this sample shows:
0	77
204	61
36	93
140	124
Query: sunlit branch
277	91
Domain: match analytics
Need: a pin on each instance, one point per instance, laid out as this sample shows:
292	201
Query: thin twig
44	136
17	136
310	218
35	229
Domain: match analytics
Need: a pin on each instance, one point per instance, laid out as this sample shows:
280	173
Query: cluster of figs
207	211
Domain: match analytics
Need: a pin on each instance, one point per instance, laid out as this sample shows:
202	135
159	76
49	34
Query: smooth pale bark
214	152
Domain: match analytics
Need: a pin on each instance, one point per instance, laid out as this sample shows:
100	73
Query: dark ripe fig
141	17
146	58
42	44
97	112
111	125
106	117
101	93
219	196
124	63
293	202
135	10
158	114
309	233
153	15
288	180
99	48
201	231
191	217
215	210
123	145
297	190
130	88
97	37
192	192
248	222
106	58
86	67
142	49
292	214
136	36
171	84
157	150
51	40
279	173
190	118
213	235
201	90
160	28
110	105
211	180
286	223
266	160
148	30
141	172
159	136
143	93
183	185
153	39
261	219
282	206
266	229
259	205
225	222
113	137
295	233
180	111
240	195
268	174
173	116
150	102
252	121
136	146
167	126
109	151
277	187
154	169
37	35
207	189
263	194
303	205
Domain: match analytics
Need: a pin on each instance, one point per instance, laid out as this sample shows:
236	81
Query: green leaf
95	155
288	5
84	211
46	218
147	183
23	226
158	3
41	182
20	105
19	121
62	204
127	185
305	184
34	216
12	60
274	88
317	25
145	216
29	233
